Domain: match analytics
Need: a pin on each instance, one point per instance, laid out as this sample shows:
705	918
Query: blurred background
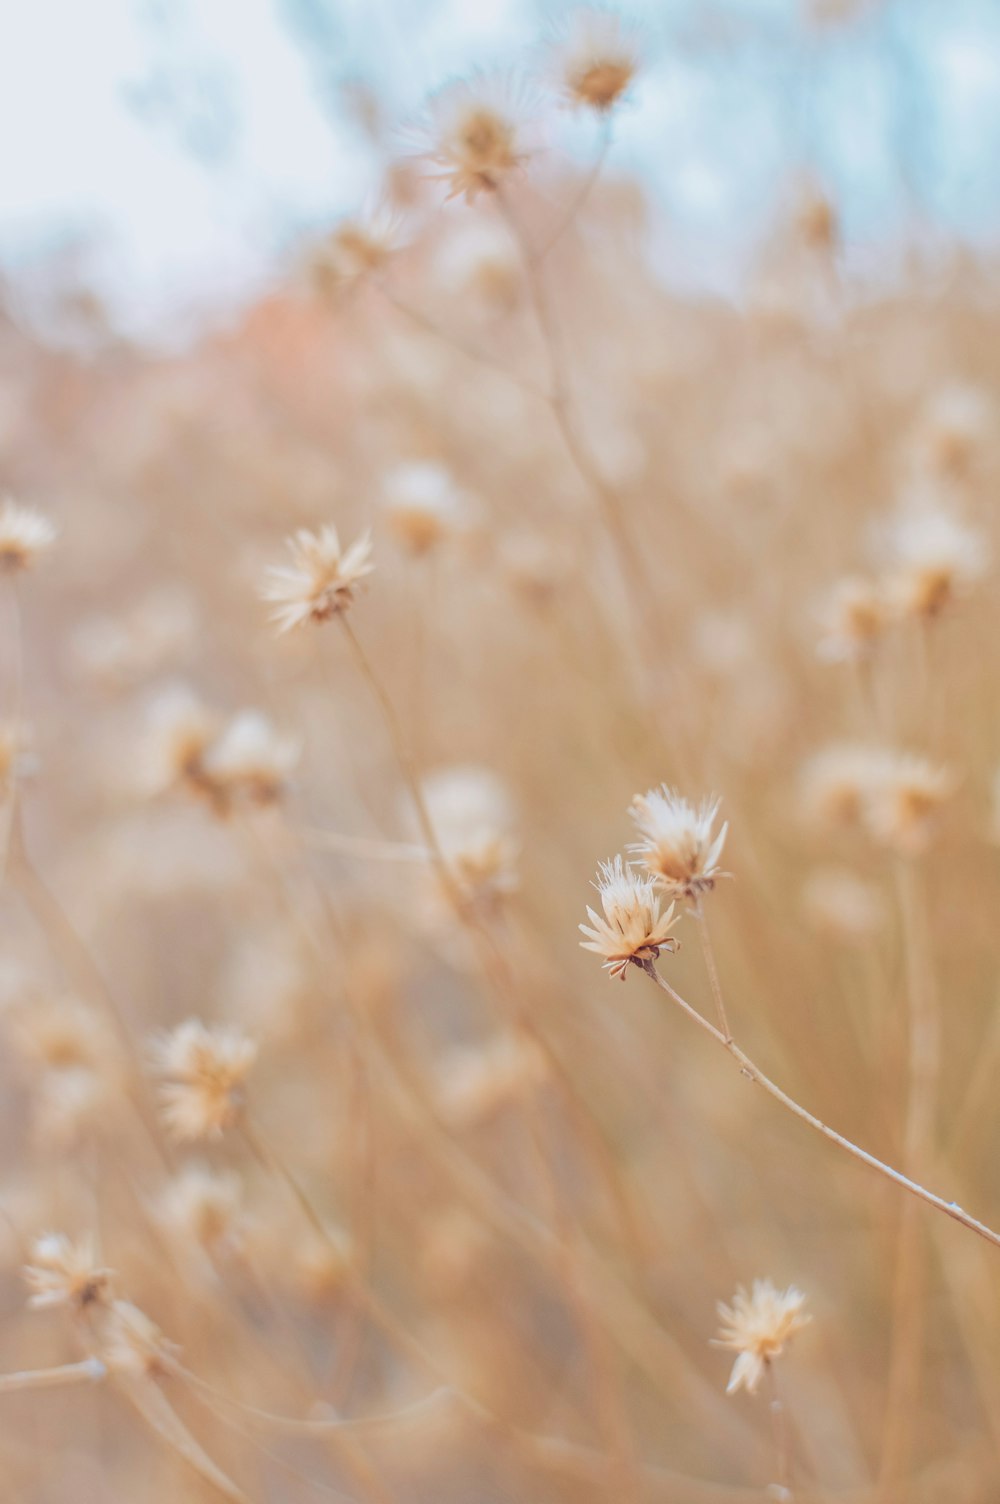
338	1168
170	155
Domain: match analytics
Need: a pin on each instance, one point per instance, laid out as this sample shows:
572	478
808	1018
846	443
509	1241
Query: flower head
422	505
679	846
250	759
204	1070
476	133
357	248
905	801
856	616
322	579
631	931
757	1327
934	559
65	1273
24	535
598	59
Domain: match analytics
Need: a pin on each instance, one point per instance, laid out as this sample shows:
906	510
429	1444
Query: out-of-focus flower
476	133
180	731
251	760
204	1073
356	248
203	1207
855	618
24	536
906	801
321	581
842	905
632	930
679	845
837	783
757	1327
423	506
598	58
934	558
65	1273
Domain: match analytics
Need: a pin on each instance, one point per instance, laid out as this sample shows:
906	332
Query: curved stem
754	1073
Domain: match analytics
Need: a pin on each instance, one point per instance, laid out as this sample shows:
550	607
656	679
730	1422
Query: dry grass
457	1231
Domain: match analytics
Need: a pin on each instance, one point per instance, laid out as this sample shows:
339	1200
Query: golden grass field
333	1166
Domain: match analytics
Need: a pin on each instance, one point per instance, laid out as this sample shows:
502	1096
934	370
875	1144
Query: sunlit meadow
498	985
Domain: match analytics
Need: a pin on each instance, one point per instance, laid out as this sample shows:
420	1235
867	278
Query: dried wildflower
250	759
476	133
203	1206
954	427
180	731
321	581
133	1345
842	905
358	247
65	1273
477	1083
757	1328
204	1070
855	619
422	504
934	559
679	846
836	784
24	535
473	818
906	800
598	59
632	930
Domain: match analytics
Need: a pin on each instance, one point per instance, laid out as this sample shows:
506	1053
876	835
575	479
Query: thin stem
754	1073
908	1303
17	657
579	198
779	1430
90	1371
471	352
708	952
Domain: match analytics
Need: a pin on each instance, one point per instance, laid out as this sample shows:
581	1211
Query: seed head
203	1070
631	931
757	1328
598	59
65	1273
423	506
855	619
24	536
250	760
679	846
934	559
320	582
906	800
476	133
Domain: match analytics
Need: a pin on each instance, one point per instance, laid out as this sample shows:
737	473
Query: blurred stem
779	1429
909	1303
708	952
82	971
17	710
490	957
583	192
90	1371
753	1073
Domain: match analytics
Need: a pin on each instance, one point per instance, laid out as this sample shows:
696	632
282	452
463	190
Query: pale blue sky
187	140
